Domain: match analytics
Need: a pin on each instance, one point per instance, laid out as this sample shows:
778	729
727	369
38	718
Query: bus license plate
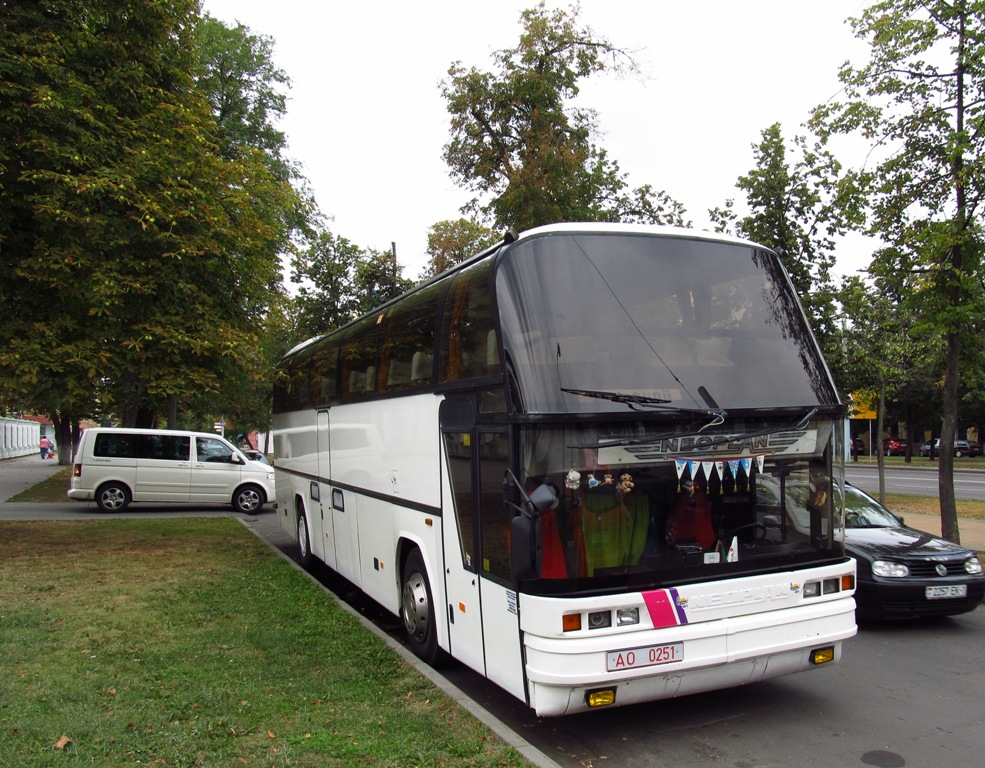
953	590
648	656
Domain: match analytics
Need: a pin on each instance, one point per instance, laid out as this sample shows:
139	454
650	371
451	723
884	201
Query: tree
326	295
919	101
520	145
798	211
451	242
245	90
138	262
378	279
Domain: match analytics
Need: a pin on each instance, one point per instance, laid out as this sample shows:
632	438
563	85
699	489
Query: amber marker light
571	622
601	697
847	582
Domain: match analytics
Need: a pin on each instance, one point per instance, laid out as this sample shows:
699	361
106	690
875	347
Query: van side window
115	446
208	449
165	447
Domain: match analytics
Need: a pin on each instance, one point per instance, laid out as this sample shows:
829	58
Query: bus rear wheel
417	610
304	541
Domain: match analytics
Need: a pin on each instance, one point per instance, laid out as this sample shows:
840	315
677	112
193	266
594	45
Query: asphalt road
920	479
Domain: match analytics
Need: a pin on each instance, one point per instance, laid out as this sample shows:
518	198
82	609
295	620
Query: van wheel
417	610
304	541
248	499
113	497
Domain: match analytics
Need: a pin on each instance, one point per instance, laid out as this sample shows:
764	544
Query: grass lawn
190	643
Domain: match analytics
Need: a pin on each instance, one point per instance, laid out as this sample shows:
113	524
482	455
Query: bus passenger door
463	612
322	538
500	606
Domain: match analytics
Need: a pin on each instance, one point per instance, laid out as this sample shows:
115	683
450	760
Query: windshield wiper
633	401
639	402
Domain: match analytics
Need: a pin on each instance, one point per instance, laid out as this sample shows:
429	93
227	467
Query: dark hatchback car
961	448
903	572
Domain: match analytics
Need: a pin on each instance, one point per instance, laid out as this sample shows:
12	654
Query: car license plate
647	656
952	590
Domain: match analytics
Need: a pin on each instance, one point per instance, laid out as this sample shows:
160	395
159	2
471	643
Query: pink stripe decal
663	612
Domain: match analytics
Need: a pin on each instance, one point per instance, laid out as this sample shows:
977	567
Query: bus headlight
627	616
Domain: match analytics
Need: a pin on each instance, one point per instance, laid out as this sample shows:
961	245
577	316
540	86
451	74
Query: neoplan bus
568	462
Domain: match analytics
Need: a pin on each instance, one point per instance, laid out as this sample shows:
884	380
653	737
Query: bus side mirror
525	548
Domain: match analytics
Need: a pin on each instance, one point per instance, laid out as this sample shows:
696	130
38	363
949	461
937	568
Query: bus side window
408	338
469	346
358	359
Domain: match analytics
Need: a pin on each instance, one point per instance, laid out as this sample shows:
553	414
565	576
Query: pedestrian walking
45	446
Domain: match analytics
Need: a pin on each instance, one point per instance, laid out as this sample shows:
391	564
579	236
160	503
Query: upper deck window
658	317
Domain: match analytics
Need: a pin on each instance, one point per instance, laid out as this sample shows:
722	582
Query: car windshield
862	511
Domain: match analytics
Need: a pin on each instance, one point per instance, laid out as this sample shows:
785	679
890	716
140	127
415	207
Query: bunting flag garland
716	468
681	465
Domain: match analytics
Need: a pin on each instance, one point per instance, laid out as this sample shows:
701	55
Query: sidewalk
19	474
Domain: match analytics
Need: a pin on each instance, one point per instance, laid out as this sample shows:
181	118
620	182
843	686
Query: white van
116	466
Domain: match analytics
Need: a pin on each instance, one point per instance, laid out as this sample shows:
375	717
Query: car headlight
973	566
889	569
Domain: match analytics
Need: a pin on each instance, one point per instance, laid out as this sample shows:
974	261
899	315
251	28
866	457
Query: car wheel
248	499
304	541
958	453
113	497
417	610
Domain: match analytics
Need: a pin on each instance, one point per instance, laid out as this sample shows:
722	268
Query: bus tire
417	610
304	541
113	497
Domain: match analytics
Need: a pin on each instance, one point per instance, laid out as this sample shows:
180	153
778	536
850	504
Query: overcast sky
367	121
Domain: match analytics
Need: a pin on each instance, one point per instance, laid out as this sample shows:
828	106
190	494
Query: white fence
18	437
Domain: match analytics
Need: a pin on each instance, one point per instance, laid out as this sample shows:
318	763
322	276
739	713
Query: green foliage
798	210
451	242
140	260
918	100
521	146
326	295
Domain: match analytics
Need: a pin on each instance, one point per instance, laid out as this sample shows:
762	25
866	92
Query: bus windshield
662	514
595	323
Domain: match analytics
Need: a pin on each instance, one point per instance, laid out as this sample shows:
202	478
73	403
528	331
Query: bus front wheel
417	610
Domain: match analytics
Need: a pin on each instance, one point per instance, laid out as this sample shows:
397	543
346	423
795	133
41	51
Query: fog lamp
823	655
812	589
600	697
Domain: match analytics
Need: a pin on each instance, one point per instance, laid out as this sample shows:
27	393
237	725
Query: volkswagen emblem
941	569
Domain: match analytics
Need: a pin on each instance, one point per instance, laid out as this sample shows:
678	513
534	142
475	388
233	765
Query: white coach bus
573	464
